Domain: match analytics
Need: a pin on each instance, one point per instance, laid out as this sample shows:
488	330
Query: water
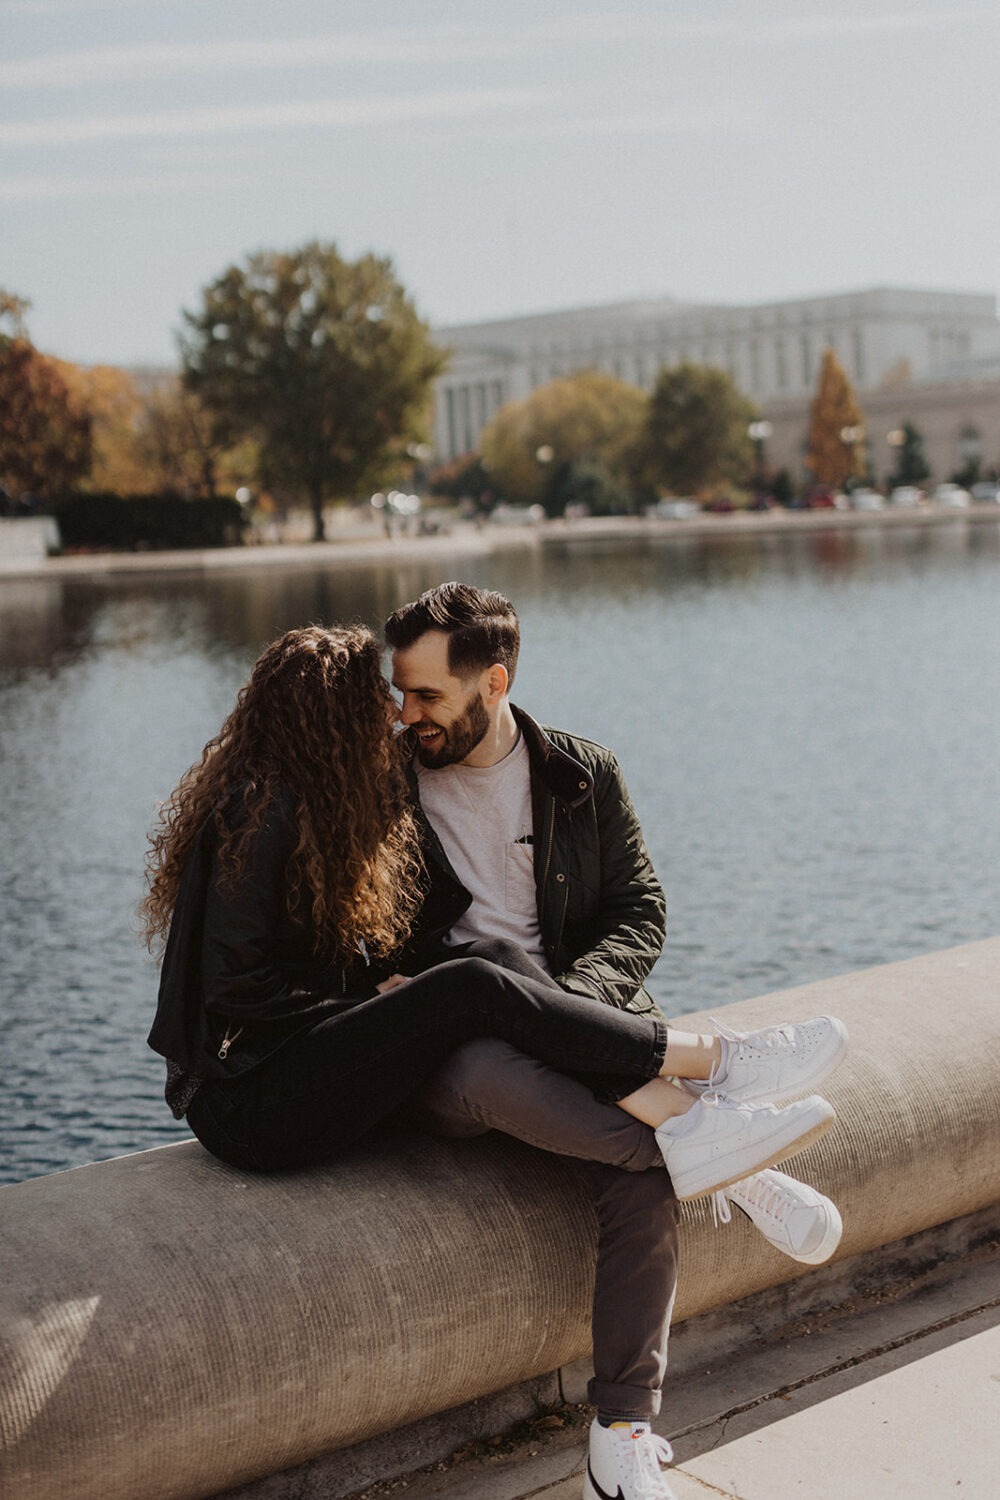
809	727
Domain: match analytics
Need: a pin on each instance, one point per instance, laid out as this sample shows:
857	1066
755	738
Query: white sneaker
720	1141
796	1219
624	1463
776	1063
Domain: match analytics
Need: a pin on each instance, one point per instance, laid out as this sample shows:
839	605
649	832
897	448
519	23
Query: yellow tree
588	417
180	444
112	399
836	427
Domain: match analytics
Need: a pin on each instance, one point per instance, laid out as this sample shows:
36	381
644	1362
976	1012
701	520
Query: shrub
147	523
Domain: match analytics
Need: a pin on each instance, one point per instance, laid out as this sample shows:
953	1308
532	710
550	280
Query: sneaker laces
765	1195
721	1212
770	1039
644	1454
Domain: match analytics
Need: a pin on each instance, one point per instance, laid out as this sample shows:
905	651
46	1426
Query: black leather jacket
600	906
240	975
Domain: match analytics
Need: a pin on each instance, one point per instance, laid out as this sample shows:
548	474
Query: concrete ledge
171	1328
26	541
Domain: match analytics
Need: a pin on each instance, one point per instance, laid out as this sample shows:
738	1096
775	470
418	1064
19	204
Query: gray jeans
489	1085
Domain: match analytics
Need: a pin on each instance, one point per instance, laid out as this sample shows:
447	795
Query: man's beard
460	739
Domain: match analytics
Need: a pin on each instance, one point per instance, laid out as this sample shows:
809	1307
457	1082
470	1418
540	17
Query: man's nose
409	711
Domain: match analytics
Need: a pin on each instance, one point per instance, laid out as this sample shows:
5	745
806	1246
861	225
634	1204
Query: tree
911	461
695	434
463	478
112	400
45	438
323	361
836	427
181	448
530	445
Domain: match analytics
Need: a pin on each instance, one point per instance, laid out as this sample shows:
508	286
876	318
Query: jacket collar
564	776
561	773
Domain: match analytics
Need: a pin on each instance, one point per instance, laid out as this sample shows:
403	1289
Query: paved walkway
896	1400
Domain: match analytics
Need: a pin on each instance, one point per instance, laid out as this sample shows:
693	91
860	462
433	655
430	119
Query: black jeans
334	1082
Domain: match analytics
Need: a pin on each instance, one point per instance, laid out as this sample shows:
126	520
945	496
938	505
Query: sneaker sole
826	1247
743	1165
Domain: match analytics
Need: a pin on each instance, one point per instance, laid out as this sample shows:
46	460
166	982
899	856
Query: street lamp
758	433
852	437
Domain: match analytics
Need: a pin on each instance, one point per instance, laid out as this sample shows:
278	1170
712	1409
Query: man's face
446	715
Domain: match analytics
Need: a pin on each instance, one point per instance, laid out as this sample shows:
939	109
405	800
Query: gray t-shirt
482	815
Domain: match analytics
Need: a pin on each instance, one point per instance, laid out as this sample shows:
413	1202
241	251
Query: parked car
907	496
987	492
953	495
822	497
516	515
867	500
677	510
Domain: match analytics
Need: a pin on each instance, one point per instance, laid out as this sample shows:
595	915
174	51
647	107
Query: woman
285	876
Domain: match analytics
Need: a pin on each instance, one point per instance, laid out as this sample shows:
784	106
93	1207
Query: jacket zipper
227	1042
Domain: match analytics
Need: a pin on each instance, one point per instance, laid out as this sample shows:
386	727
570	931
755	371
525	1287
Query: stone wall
171	1328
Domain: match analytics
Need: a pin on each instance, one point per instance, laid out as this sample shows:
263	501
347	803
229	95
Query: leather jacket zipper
227	1042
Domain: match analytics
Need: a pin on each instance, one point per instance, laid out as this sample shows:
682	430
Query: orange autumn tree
45	434
836	427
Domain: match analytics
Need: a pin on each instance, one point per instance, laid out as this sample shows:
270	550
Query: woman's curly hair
312	724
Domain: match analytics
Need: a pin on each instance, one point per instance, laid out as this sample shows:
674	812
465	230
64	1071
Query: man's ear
497	682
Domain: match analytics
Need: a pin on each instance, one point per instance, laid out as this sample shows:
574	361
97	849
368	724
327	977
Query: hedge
147	523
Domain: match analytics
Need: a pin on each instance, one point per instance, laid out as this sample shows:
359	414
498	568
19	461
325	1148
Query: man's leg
634	1287
489	1085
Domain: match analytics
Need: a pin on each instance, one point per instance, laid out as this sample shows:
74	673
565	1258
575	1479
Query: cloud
837	24
59	7
723	118
36	189
443	44
117	64
221	119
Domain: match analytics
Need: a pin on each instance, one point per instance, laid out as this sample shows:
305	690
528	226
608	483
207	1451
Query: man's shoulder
589	752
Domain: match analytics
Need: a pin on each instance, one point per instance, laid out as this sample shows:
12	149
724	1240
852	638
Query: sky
512	156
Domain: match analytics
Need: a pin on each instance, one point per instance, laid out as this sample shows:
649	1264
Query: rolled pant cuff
627	1403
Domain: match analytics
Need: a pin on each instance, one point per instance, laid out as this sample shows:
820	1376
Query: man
537	859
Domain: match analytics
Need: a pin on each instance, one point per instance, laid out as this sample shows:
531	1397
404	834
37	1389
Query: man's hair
480	624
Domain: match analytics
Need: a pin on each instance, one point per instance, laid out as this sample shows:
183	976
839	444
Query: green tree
45	437
695	434
323	361
836	427
530	445
911	461
463	478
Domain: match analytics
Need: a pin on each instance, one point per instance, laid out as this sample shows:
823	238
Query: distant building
910	355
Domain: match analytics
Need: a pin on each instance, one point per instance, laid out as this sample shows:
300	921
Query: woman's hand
392	983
